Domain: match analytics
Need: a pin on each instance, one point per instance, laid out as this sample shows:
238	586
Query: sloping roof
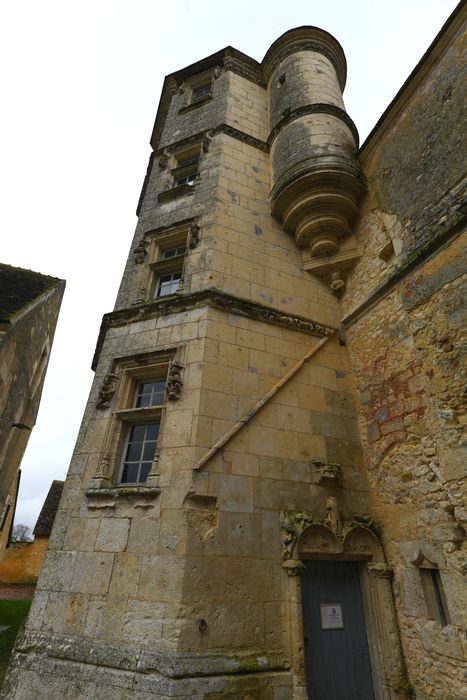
49	509
19	287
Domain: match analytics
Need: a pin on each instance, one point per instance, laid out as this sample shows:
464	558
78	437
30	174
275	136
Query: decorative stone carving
140	252
164	160
181	89
380	570
217	72
207	140
337	283
103	469
333	519
327	472
194	236
107	390
174	382
330	535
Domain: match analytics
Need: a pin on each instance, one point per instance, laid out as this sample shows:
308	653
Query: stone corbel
207	140
327	473
217	72
107	390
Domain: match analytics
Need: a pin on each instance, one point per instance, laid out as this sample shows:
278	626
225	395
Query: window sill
194	105
175	193
137	494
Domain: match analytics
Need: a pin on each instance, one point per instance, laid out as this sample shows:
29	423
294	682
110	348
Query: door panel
336	647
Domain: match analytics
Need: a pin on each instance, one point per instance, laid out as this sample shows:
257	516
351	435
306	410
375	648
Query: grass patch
12	613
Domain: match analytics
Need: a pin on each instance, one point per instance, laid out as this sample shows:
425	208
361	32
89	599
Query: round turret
315	178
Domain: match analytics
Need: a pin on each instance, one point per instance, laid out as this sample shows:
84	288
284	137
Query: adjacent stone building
22	561
29	307
266	495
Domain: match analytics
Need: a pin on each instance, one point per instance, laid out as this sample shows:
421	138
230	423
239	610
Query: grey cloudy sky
80	86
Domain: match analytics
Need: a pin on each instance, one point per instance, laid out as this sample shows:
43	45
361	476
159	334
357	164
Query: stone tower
221	532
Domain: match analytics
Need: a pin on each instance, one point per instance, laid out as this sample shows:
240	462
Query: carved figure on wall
174	381
193	238
217	72
333	519
107	390
140	252
207	140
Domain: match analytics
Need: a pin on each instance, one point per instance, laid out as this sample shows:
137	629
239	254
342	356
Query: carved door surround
306	536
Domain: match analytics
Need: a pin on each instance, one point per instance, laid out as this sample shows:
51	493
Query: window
434	595
199	93
168	283
188	179
142	435
174	252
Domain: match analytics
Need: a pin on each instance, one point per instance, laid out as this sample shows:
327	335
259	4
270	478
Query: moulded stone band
317	108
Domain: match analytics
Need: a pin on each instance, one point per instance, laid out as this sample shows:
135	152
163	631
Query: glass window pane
144	471
130	474
153	431
149	450
143	401
133	453
137	433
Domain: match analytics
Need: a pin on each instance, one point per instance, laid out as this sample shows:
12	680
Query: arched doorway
345	641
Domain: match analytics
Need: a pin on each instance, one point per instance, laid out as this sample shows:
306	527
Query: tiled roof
49	509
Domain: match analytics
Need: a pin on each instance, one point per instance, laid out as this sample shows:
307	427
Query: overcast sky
80	86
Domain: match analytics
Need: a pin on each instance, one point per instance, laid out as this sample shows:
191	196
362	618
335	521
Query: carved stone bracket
174	381
107	390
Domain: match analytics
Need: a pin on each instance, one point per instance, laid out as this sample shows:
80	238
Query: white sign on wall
331	616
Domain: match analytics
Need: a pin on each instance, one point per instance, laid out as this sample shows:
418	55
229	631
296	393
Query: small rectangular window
199	93
188	179
434	596
150	394
173	252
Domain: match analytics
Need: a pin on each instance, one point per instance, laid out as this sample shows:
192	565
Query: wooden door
336	646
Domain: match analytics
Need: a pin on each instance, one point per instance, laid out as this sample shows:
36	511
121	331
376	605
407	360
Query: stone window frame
433	589
181	164
159	265
130	372
198	82
140	416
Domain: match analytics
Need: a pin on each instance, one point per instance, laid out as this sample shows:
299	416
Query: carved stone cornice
318	108
247	69
163	306
306	39
206	136
242	136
